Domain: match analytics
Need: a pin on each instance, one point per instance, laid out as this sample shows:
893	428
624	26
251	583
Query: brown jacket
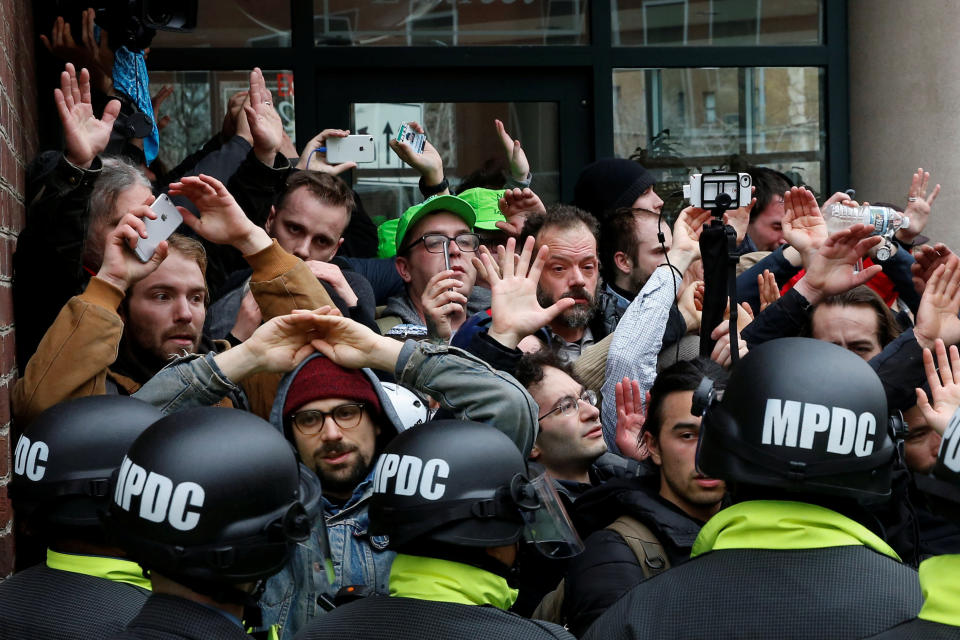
74	357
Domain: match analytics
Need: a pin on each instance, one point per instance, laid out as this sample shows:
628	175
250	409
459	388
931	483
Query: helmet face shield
546	523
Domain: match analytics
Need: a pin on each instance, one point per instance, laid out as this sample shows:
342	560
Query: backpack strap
651	555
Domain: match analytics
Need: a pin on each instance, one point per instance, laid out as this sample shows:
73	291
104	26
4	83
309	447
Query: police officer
453	497
211	502
61	470
940	615
802	439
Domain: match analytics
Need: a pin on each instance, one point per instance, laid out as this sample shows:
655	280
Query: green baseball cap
452	204
486	202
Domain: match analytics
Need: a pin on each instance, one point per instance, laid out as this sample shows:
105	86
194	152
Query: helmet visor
546	523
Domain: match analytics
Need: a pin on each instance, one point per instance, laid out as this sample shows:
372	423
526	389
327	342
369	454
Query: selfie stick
718	250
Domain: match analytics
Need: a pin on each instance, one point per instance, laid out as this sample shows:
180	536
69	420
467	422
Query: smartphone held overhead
356	148
159	228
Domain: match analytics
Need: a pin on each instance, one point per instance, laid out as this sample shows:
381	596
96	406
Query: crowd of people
490	417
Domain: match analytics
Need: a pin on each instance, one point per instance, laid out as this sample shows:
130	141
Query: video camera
133	23
704	189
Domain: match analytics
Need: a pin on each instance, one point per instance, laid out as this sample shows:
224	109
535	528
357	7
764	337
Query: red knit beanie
322	378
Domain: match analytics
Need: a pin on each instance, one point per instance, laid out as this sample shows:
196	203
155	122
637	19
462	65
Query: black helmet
800	415
63	461
211	496
943	483
463	484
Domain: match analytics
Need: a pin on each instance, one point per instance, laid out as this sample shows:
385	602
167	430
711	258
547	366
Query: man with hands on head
94	348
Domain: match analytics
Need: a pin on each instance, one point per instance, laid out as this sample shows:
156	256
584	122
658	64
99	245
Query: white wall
905	103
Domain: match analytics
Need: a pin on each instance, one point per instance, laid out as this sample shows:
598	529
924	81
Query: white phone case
159	229
355	148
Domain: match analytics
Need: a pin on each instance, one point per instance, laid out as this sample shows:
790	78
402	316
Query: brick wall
18	144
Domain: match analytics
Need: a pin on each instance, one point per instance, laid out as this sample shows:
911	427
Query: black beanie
609	184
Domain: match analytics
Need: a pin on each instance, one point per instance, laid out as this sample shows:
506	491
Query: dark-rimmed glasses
435	242
311	421
569	405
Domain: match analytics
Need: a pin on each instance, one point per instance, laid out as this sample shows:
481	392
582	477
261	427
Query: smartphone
411	137
358	148
160	228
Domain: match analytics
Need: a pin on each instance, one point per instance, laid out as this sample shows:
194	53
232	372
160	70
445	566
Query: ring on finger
912	199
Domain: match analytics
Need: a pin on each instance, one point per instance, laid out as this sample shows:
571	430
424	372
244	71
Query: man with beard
134	316
572	271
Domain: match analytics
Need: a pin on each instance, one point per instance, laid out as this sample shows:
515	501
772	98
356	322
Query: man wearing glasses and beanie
435	242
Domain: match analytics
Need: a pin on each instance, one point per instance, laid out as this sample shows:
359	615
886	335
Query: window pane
450	22
199	101
466	139
714	23
682	121
230	23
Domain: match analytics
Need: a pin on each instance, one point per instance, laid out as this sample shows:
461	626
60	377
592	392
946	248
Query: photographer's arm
639	335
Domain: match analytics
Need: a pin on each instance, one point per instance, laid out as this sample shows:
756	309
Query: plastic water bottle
885	221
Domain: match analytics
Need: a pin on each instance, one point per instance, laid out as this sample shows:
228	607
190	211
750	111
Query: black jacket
608	567
41	602
831	593
166	617
378	617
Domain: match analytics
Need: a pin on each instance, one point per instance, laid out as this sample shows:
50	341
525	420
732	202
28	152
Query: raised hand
516	205
686	237
739	218
84	134
630	419
690	304
831	268
232	116
120	266
769	291
266	127
927	260
516	312
939	305
428	164
158	99
95	56
918	206
944	386
317	160
352	345
721	350
444	307
221	220
516	158
803	223
332	275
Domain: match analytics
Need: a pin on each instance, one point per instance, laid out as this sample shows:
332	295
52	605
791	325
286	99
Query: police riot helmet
63	461
799	415
943	482
464	484
211	496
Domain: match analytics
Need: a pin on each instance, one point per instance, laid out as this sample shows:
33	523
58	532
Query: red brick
6	306
8	354
6	511
5	403
4	463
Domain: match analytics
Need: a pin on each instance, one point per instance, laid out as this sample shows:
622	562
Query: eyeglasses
311	421
569	405
435	242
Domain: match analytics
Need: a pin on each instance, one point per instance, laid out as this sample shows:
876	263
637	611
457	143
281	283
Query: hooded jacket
460	383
